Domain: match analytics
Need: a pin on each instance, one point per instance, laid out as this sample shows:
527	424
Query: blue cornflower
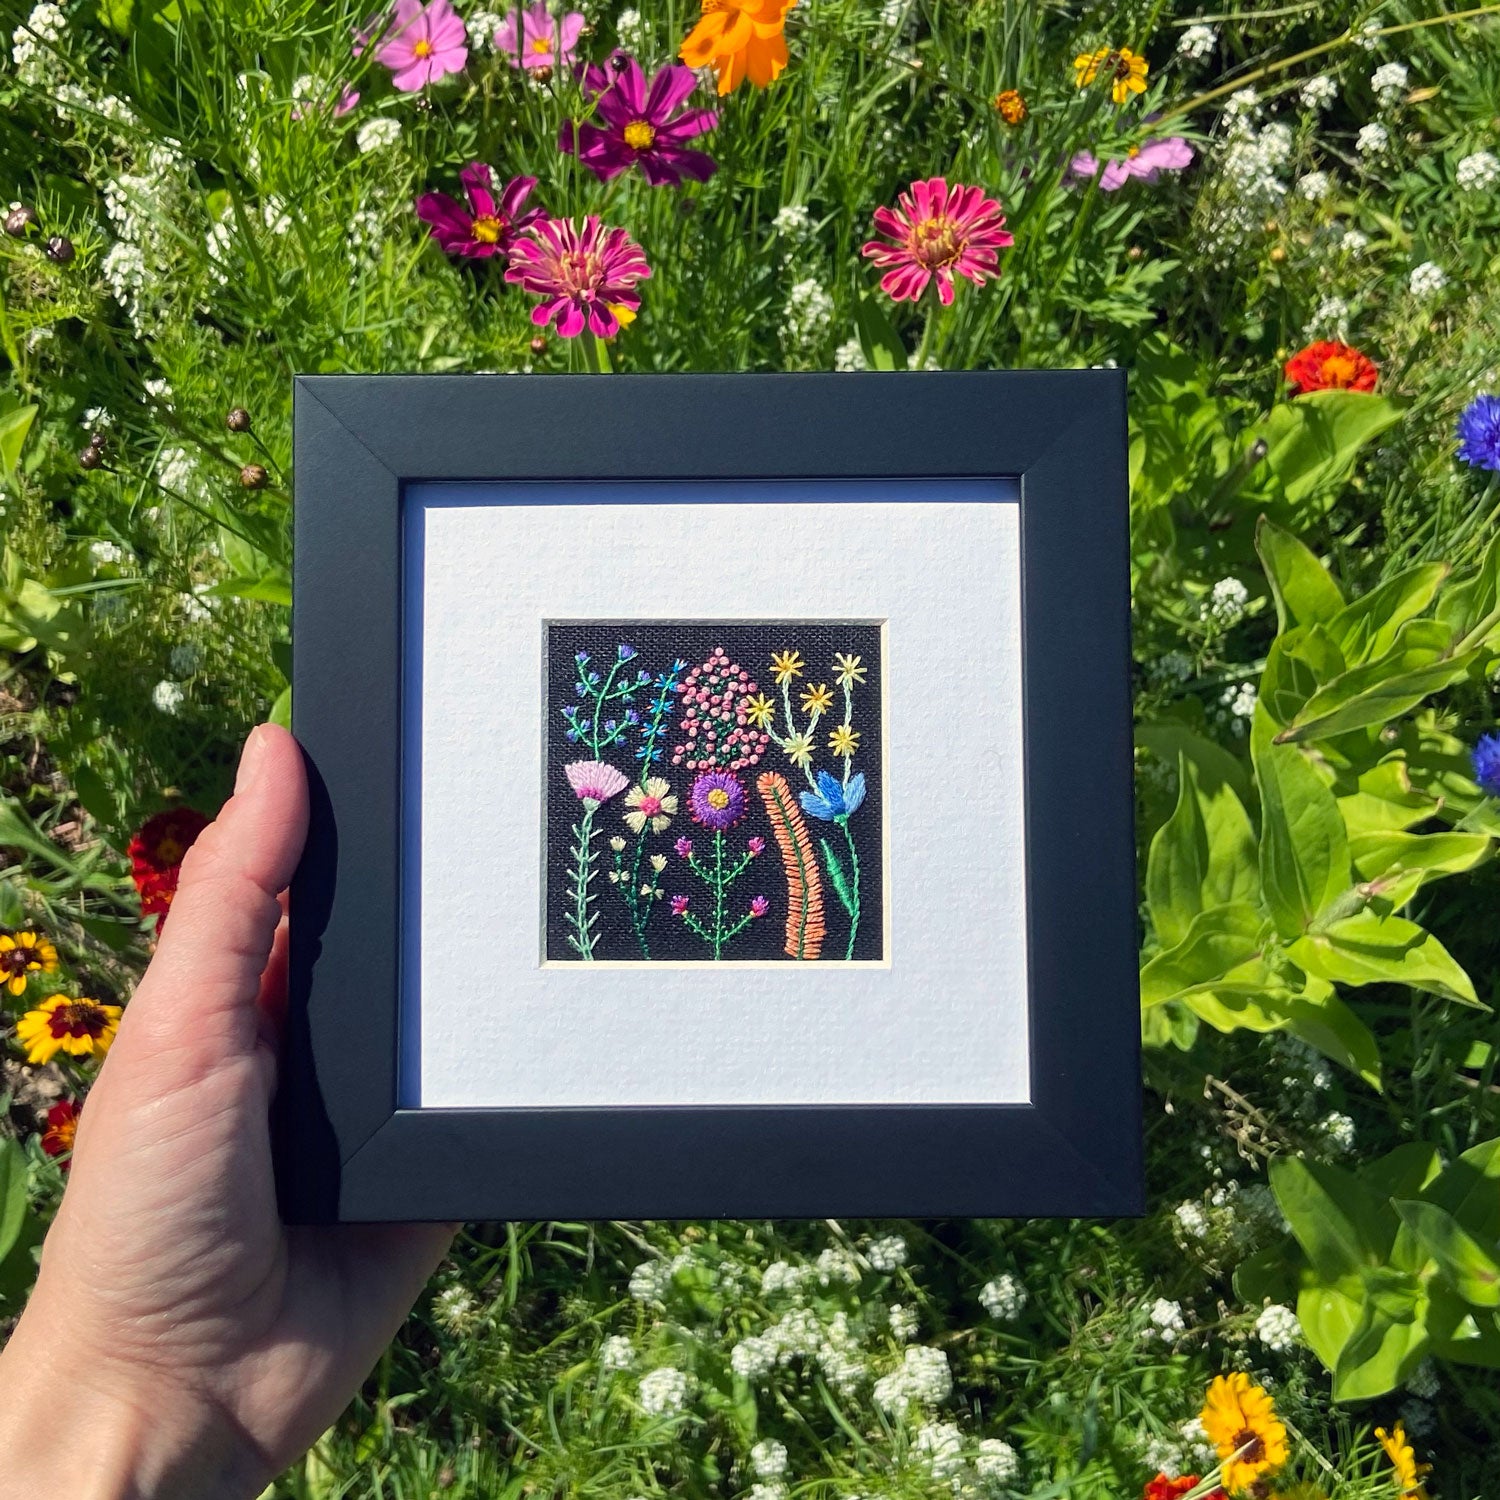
626	652
1486	758
836	801
1479	433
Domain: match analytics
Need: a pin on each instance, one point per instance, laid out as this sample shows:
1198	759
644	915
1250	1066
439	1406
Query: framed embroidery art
722	798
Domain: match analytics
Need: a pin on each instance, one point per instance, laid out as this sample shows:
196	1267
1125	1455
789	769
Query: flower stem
599	703
580	918
843	823
919	360
718	883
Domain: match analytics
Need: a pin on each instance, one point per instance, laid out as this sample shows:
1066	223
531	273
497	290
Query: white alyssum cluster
837	1265
1200	1453
1249	184
107	552
782	1276
378	134
1353	241
1165	1321
1478	172
664	1392
1197	41
97	419
793	223
1315	186
1428	279
167	696
197	611
1004	1298
1389	81
1330	316
616	1353
1191	1219
768	1459
176	470
140	206
834	1347
1241	700
809	314
997	1464
632	30
923	1379
886	1253
650	1281
1338	1131
455	1310
33	43
1319	92
1225	605
1241	108
1373	139
1277	1328
849	356
903	1322
483	25
939	1448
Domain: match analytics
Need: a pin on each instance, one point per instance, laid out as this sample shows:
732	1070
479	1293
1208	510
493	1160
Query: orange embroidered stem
804	885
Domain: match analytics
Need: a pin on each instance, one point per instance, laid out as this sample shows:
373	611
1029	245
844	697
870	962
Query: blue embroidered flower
1486	758
626	652
836	800
1479	433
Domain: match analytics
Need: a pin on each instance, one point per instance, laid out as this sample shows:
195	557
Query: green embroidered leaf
1300	585
1466	1263
1367	948
1304	852
837	877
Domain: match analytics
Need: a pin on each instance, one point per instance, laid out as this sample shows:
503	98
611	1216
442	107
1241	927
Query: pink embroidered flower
1147	162
530	38
424	43
636	124
938	231
586	276
720	723
487	226
759	907
593	781
684	847
757	846
679	905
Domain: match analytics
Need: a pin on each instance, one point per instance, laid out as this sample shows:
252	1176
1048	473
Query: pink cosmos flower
530	38
487	226
938	231
347	100
593	781
585	275
424	43
1147	161
634	124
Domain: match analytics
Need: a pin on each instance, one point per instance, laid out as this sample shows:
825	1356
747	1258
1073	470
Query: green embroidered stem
853	887
629	888
599	702
581	919
848	720
718	893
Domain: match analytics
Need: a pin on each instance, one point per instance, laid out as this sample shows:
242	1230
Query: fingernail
252	760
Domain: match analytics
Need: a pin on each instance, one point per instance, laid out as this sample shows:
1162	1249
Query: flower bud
91	457
542	74
19	220
98	441
253	477
1135	252
539	345
238	420
60	250
1277	254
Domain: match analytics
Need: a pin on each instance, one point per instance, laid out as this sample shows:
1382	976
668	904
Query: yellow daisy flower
1125	68
844	741
850	672
818	699
652	803
1406	1471
786	665
799	750
1241	1423
759	710
23	954
81	1028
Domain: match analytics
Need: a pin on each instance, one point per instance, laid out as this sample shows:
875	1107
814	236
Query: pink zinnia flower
530	38
425	43
636	125
938	231
586	276
1147	161
487	226
593	781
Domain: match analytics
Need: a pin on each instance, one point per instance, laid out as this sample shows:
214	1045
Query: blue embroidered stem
581	919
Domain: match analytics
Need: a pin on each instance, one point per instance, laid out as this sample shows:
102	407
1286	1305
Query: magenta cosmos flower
586	277
717	800
1147	162
641	124
533	39
488	226
424	43
938	231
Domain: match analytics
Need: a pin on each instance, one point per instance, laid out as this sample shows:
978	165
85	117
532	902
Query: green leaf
1304	853
837	876
281	709
1469	1189
94	794
274	587
1467	1265
1217	942
14	425
1299	662
878	340
1267	1275
12	1194
1329	1315
1335	1217
1323	1021
1389	1340
1216	767
1315	439
1386	799
1300	585
1468	604
1396	865
1367	629
12	908
1368	948
117	14
1202	856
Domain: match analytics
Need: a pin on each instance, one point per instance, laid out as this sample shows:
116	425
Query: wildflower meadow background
1282	221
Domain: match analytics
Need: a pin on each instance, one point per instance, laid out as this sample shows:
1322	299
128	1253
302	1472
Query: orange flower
62	1126
1406	1473
739	39
1330	366
1010	105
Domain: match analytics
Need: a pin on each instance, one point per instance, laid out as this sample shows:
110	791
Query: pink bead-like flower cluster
716	729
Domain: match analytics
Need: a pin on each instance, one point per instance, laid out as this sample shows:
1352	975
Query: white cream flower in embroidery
652	803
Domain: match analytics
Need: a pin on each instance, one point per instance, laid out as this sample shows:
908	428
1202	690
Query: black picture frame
347	1152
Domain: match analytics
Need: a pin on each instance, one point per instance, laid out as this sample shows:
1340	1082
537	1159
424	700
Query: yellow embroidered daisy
81	1028
817	699
849	670
759	710
799	750
1125	68
786	665
1241	1423
844	741
23	954
1406	1471
652	803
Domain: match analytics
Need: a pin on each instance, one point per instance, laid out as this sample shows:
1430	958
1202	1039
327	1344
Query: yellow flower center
639	135
486	229
718	799
1338	369
937	241
422	48
1133	151
541	45
64	1134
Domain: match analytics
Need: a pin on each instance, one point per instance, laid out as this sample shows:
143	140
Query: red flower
1330	366
156	854
1162	1488
62	1125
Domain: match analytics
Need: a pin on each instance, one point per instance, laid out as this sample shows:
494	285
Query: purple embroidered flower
757	846
640	124
759	907
1486	759
679	903
488	226
425	43
1147	162
717	800
593	781
1479	433
530	37
684	847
